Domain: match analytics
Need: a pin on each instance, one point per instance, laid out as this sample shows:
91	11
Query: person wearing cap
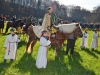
11	45
94	43
84	42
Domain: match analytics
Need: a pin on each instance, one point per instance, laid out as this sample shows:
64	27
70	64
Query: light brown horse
60	37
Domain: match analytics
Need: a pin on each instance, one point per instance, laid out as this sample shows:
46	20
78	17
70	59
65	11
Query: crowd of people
90	26
94	43
41	61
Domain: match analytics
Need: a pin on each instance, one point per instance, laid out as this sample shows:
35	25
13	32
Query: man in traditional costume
84	42
47	21
11	45
95	40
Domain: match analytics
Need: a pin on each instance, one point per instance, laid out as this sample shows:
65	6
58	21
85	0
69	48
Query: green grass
83	62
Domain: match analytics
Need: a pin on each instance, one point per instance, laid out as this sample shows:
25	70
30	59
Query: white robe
84	42
94	43
11	46
41	61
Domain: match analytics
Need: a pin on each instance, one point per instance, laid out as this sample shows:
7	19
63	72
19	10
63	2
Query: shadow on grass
76	67
22	43
4	67
52	47
90	52
62	65
26	64
98	52
69	65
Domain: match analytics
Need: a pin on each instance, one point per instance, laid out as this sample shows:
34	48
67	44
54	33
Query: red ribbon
9	47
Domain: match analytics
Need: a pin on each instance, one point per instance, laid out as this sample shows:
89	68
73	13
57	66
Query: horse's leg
56	49
61	44
28	46
55	53
20	34
58	45
25	37
7	29
32	45
2	30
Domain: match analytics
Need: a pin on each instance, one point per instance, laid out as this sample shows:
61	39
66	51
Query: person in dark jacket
13	20
70	44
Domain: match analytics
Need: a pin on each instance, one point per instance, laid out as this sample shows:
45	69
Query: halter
78	29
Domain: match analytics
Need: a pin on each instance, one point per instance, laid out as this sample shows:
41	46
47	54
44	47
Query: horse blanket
65	28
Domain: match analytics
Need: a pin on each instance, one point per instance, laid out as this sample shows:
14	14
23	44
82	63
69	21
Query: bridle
77	31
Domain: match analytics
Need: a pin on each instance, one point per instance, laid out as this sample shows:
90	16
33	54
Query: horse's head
78	30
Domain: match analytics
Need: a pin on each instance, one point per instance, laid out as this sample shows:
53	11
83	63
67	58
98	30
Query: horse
9	24
2	24
21	30
58	41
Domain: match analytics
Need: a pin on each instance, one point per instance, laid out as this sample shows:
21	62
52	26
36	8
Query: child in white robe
94	43
41	60
11	45
84	42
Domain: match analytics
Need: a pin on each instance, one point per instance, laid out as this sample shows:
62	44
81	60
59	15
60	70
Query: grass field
83	62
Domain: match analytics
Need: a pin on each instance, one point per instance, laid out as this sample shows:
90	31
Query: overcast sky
88	4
